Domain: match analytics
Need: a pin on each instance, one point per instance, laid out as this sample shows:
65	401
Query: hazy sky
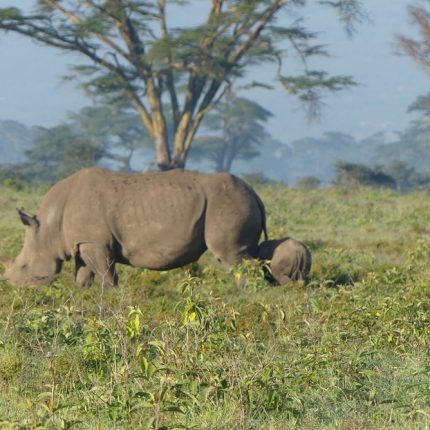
32	90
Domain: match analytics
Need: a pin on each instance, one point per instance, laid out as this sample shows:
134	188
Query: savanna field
213	347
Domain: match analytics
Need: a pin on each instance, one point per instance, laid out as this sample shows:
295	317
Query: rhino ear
28	219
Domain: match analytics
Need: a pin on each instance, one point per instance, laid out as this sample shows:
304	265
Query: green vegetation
353	175
209	347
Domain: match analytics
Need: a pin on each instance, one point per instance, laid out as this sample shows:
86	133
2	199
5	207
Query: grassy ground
200	348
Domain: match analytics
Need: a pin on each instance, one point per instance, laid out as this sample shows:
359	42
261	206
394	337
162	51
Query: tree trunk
178	160
219	162
228	163
180	147
221	158
231	153
127	161
162	151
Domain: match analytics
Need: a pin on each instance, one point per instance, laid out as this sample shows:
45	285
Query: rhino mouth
40	280
34	280
27	279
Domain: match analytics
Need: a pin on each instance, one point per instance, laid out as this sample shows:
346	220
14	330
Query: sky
32	90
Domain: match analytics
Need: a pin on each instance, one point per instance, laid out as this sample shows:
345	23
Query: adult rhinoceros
157	221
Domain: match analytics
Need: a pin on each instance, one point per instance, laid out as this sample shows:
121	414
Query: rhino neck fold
51	215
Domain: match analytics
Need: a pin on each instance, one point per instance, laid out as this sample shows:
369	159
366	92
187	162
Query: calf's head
37	263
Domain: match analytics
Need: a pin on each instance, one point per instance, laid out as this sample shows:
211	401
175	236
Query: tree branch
170	83
206	105
77	21
266	17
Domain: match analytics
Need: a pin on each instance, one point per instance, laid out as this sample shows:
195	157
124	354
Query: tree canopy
237	130
418	49
94	135
171	71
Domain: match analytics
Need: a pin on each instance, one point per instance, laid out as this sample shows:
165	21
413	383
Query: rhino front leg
84	276
97	260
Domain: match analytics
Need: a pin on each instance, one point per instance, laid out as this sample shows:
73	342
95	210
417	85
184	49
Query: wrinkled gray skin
290	259
156	221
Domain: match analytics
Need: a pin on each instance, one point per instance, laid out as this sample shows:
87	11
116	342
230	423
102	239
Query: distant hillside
316	156
15	139
273	162
415	154
278	161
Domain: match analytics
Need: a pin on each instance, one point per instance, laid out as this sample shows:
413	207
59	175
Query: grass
212	347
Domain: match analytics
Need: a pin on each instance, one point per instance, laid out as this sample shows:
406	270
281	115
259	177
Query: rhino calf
290	260
156	221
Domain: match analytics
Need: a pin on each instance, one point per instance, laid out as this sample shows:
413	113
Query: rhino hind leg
234	243
230	255
96	261
232	249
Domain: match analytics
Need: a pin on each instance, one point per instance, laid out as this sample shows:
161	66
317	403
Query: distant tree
354	175
413	145
13	176
93	134
316	156
134	54
259	178
307	183
15	139
238	132
422	105
404	175
57	152
115	130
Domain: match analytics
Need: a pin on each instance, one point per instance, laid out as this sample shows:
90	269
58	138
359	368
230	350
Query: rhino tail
263	212
261	207
263	215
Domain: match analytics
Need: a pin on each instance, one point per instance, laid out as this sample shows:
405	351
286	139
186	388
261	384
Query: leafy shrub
259	178
215	347
354	175
307	183
11	363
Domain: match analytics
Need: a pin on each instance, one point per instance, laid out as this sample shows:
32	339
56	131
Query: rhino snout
22	272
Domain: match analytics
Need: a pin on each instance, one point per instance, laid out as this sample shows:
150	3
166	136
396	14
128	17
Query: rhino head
36	264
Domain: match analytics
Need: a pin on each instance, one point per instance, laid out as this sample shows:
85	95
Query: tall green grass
213	347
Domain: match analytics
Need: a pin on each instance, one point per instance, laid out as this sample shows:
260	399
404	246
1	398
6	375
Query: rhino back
155	220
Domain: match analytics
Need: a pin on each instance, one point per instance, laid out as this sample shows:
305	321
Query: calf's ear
28	219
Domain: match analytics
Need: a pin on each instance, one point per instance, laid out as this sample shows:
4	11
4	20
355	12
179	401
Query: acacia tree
237	132
418	49
134	53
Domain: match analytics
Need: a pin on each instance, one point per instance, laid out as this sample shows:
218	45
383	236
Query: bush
307	183
259	178
355	175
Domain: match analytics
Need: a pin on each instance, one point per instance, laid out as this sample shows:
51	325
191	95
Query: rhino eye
23	267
